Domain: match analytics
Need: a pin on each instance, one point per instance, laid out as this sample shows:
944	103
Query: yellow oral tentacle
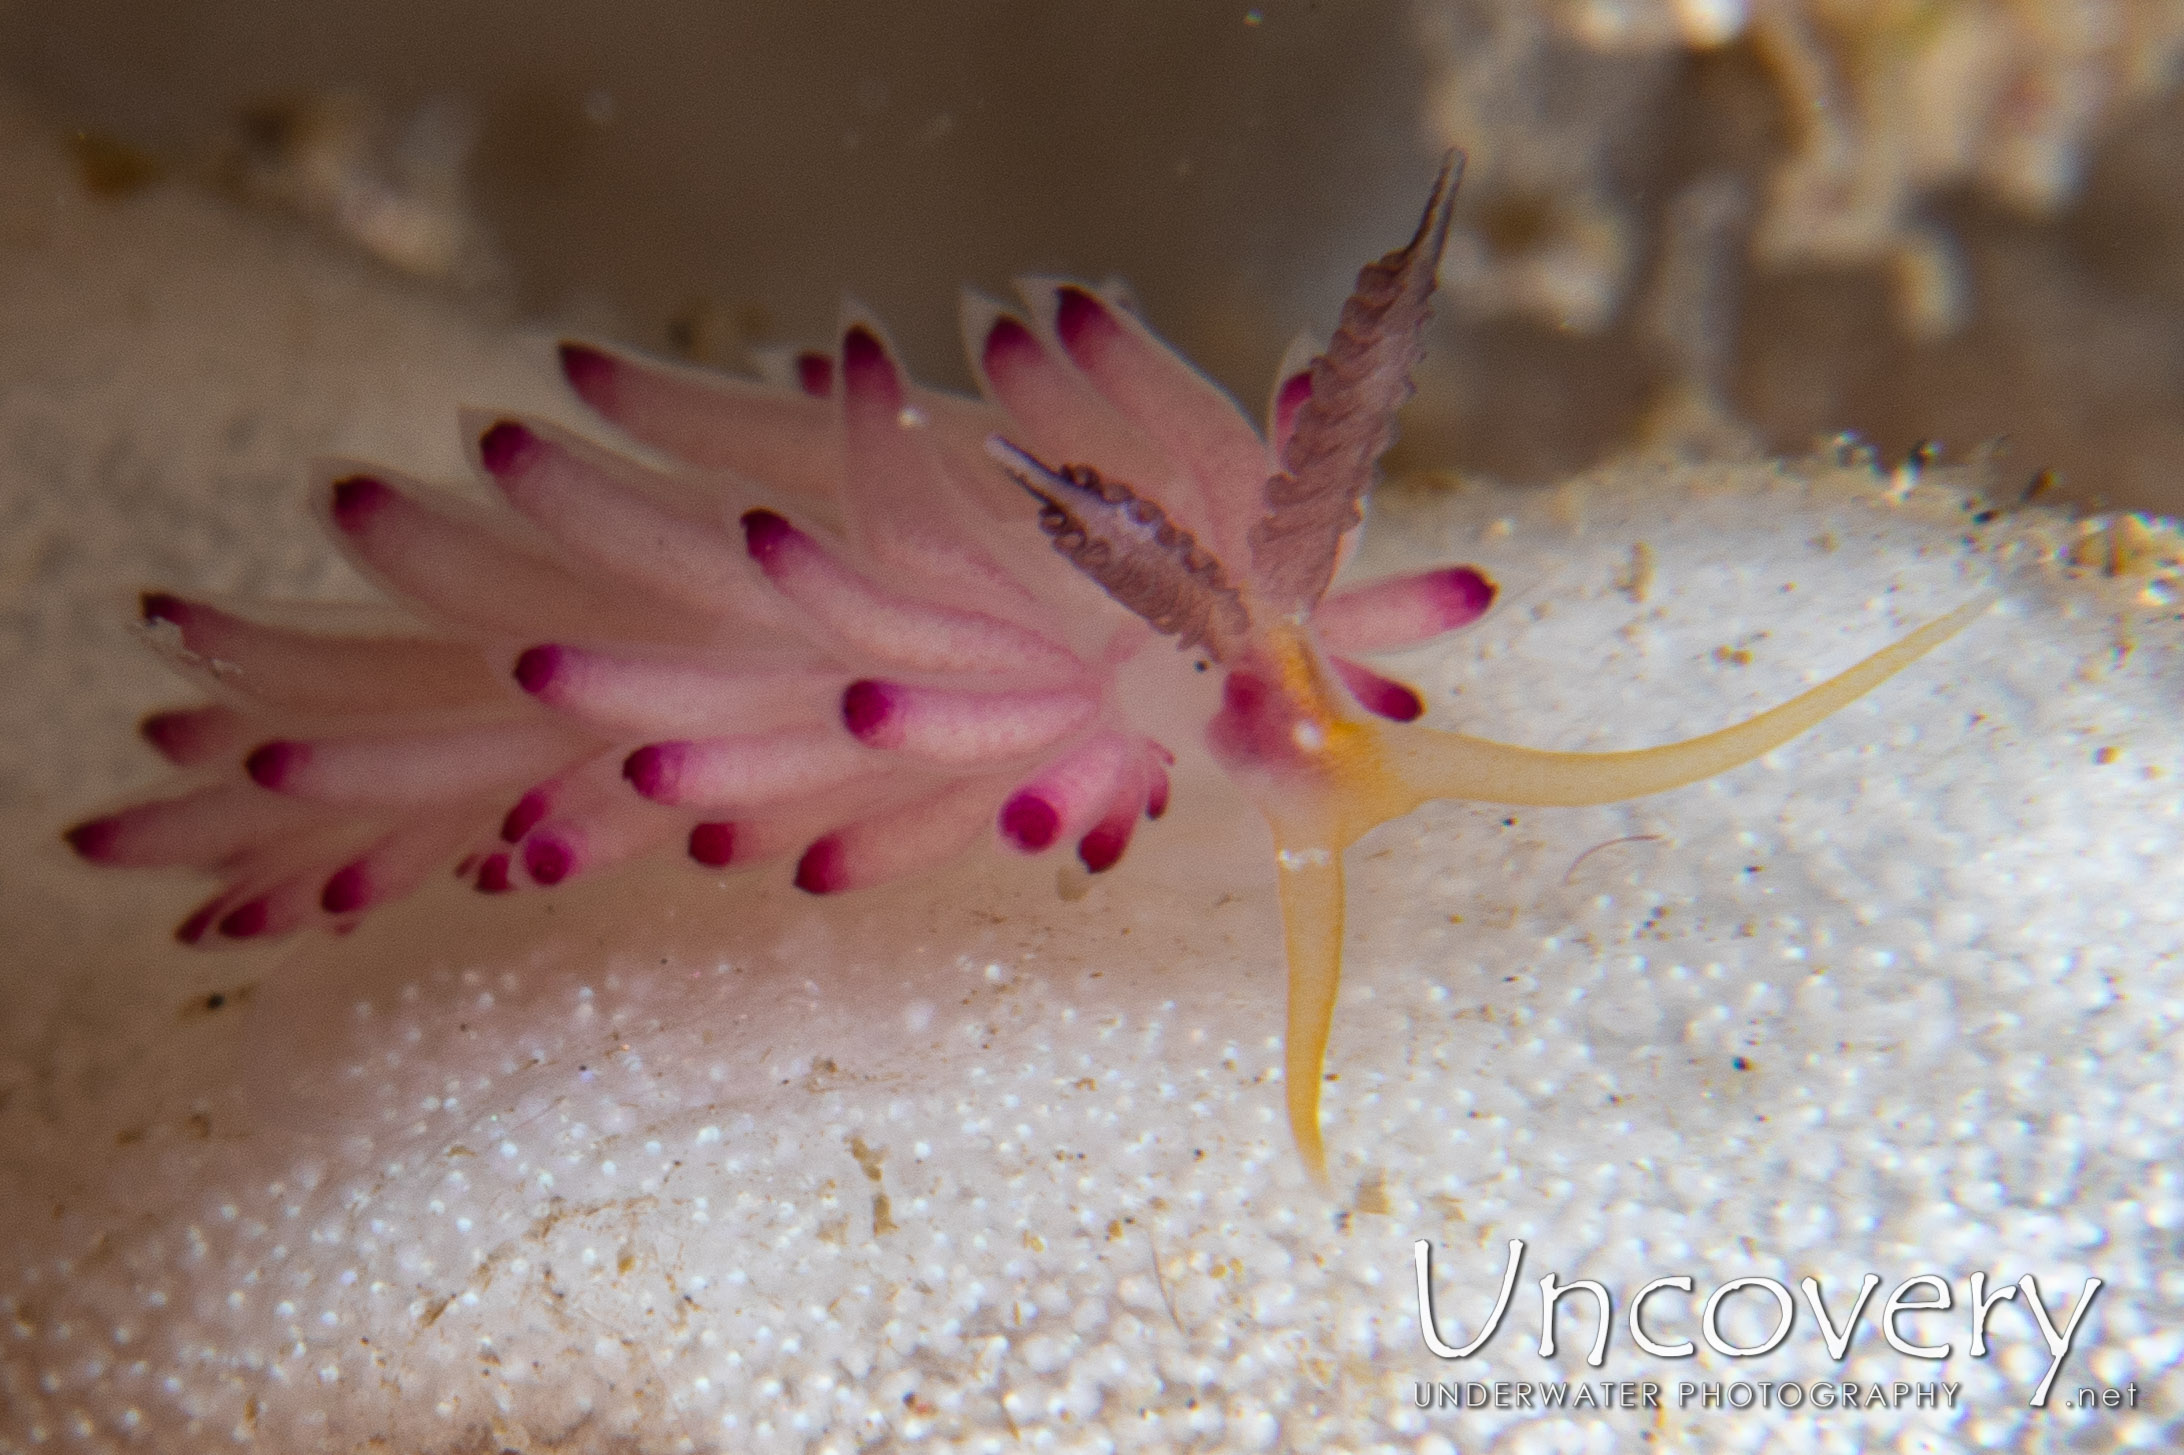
1312	903
1418	764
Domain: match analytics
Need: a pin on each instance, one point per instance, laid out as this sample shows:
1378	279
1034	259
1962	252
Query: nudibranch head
857	626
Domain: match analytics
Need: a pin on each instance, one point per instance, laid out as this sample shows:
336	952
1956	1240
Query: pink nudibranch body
832	637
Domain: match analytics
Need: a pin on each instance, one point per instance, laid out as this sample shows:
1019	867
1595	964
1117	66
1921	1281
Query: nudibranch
848	626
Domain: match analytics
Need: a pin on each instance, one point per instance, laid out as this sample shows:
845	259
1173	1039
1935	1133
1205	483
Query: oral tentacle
1401	611
1417	764
1324	778
961	729
308	671
1311	891
892	630
412	770
784	440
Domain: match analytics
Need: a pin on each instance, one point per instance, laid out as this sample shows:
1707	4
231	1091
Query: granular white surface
668	1163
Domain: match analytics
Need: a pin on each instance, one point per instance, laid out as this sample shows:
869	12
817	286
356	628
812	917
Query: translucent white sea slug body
857	627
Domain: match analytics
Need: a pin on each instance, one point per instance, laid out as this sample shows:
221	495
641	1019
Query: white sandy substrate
667	1163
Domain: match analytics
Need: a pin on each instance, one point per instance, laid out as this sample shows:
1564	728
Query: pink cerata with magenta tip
864	626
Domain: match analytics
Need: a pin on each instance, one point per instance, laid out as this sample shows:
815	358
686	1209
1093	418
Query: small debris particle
2122	545
1581	858
1636	580
706	330
1567	504
213	1002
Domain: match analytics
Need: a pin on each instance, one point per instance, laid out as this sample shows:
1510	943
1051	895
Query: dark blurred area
708	177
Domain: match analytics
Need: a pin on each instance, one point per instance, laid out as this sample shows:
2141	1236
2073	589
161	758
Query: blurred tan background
1687	220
